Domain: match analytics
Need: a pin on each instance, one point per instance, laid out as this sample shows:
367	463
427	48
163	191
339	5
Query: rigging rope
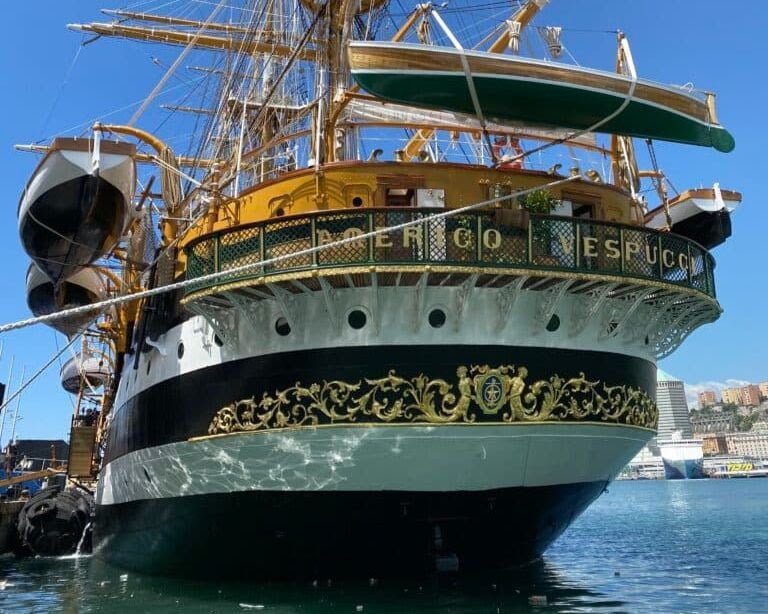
103	305
139	112
627	99
39	372
61	89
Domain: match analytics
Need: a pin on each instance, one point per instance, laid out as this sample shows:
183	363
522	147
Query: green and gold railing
485	239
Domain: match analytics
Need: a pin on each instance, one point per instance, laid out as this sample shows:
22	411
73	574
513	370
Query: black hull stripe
182	407
263	534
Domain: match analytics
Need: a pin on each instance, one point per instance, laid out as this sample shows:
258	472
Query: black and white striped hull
359	491
366	499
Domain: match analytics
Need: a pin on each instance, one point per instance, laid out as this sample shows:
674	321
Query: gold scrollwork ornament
500	391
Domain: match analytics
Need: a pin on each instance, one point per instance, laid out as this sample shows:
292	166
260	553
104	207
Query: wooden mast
337	106
201	41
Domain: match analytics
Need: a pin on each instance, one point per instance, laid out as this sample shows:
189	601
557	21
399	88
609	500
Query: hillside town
736	423
723	437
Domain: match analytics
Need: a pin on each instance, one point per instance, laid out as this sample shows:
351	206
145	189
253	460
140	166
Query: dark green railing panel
330	228
490	239
288	237
239	248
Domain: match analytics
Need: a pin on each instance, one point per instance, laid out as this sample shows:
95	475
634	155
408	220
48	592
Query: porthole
553	324
357	319
436	318
149	365
217	340
282	327
357	201
279	212
180	350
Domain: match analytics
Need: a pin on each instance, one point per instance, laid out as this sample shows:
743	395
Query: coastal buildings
749	445
714	444
763	386
750	395
707	398
717	428
682	456
673	408
753	445
746	396
720	422
730	395
722	430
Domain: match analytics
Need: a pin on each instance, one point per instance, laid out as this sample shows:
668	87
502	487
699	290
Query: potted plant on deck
541	202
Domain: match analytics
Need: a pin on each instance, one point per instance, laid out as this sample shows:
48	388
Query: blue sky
701	42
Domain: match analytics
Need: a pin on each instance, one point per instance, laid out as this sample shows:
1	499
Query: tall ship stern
368	323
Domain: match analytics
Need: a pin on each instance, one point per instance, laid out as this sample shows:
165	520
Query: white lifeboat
703	215
77	204
84	288
91	371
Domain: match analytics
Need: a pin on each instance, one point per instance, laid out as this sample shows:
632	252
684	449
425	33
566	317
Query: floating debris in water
358	608
251	606
537	600
5	584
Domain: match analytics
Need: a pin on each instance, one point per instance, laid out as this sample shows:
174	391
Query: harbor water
644	546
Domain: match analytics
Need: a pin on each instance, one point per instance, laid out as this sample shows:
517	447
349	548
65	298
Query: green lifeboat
526	91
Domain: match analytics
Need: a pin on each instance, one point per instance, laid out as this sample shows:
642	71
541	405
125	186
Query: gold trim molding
478	392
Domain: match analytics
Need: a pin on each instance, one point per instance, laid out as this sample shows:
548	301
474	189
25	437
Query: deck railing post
263	246
577	247
622	267
690	266
529	255
479	237
313	239
661	260
370	239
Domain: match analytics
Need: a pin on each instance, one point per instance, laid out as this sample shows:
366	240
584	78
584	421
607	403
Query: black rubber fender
52	522
40	509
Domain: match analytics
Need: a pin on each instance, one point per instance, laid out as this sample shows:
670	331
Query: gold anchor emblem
491	389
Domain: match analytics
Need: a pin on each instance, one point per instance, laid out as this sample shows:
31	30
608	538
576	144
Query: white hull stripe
442	458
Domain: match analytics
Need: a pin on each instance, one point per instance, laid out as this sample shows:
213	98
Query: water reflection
643	547
88	585
679	495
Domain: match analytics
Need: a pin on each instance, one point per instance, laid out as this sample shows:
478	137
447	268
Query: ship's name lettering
492	239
